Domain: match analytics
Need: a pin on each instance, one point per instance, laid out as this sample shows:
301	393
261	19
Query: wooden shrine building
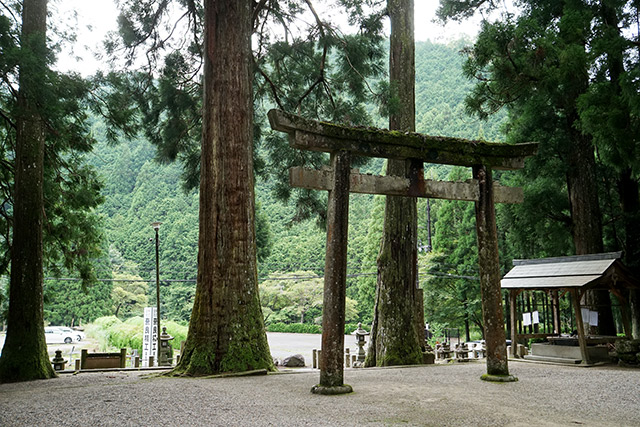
573	275
344	142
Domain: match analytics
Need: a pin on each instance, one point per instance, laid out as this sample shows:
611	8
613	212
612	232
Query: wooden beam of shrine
312	135
397	186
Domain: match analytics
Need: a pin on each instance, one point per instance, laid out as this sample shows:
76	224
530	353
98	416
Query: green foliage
440	110
296	328
138	190
127	334
71	229
99	329
311	68
106	322
289	297
559	68
296	298
364	288
458	10
111	332
300	328
437	334
451	290
128	295
69	303
349	328
566	72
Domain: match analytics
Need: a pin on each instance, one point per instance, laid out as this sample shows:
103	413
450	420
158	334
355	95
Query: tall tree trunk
630	203
627	184
582	185
586	220
395	339
226	331
24	356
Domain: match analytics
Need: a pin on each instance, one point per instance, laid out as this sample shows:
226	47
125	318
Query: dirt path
435	395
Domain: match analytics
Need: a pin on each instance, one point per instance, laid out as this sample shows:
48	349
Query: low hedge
306	328
111	332
295	328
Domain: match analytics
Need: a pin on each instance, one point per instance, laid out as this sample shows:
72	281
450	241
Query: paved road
66	349
284	344
281	345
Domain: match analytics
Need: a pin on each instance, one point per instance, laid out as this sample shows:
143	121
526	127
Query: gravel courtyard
435	395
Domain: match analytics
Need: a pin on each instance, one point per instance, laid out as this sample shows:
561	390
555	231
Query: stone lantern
58	361
165	350
360	334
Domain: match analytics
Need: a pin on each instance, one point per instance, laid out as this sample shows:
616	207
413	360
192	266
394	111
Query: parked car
78	335
53	335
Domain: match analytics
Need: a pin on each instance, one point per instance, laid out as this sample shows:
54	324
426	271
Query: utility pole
429	245
156	227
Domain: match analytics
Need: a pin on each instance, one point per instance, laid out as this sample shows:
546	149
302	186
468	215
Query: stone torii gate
343	143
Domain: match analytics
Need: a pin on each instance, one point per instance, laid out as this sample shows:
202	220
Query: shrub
437	335
307	328
115	334
100	330
178	331
127	334
295	328
106	322
350	327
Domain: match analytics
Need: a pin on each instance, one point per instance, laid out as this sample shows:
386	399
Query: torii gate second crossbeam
343	142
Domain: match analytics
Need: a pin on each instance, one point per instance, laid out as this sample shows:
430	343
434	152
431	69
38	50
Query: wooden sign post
343	142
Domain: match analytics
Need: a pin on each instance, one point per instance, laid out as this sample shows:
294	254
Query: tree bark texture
627	184
489	266
581	178
226	331
335	275
630	203
395	339
586	219
24	356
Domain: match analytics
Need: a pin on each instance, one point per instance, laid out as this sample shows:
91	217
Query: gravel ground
435	395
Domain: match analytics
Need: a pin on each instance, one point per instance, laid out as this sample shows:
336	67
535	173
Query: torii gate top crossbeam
312	135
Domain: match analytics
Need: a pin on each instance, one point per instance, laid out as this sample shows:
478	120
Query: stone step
553	359
596	353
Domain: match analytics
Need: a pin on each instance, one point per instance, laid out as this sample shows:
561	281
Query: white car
53	335
78	335
60	334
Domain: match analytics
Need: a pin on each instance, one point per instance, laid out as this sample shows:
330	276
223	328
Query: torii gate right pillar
489	266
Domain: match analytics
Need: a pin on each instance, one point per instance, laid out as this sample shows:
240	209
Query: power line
75	279
423	274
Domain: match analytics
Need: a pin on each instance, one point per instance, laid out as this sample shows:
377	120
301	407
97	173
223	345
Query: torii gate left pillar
489	268
335	280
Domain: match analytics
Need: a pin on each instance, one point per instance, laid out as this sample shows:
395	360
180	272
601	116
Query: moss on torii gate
343	142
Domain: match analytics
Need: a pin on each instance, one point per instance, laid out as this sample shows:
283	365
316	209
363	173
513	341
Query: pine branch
7	119
274	88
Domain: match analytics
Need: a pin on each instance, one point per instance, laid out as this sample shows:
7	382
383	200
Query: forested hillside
138	190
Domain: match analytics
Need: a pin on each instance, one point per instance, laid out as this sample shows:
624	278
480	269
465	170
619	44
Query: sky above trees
94	19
